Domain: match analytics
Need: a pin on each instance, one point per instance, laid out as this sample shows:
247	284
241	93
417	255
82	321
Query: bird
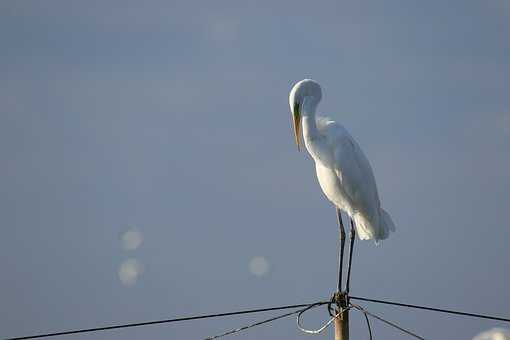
343	171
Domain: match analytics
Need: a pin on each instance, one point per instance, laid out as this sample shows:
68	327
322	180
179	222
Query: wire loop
324	326
239	329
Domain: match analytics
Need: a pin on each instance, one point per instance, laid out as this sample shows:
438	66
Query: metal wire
87	330
236	330
388	322
323	327
482	316
111	327
368	324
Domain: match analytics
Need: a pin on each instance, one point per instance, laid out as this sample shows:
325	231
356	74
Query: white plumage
343	171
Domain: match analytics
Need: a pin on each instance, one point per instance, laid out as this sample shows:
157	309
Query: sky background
172	118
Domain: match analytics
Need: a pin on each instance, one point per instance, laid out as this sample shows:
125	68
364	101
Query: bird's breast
331	187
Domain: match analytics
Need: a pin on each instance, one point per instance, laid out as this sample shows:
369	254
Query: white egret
343	171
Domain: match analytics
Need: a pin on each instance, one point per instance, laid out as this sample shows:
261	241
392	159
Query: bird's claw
341	300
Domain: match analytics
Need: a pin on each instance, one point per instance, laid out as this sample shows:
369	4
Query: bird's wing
351	166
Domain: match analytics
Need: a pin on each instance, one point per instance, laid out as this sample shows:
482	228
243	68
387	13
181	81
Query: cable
368	325
323	327
236	330
431	309
86	330
387	322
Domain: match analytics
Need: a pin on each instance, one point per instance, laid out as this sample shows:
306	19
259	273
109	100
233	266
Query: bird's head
305	92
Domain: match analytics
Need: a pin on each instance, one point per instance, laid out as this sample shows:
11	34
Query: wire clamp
341	300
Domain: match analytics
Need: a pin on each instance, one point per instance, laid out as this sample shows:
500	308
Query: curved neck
308	118
315	144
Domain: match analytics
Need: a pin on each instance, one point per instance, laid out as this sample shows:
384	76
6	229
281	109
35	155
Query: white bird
343	171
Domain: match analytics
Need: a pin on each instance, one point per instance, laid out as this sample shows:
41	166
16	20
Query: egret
344	173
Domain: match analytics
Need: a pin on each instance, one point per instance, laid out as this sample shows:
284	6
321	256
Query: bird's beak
296	117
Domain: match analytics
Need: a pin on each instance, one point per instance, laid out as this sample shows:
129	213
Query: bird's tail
386	225
374	230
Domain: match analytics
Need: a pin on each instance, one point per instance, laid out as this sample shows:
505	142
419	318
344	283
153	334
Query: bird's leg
352	234
341	250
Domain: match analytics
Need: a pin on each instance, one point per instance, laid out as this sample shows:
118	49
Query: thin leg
352	235
341	250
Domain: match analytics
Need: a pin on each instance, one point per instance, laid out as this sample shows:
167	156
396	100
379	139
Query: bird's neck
308	122
314	142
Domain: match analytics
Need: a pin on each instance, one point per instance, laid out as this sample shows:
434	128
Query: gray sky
172	117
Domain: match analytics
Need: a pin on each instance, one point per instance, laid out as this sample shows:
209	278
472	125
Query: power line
249	311
364	311
482	316
206	316
239	329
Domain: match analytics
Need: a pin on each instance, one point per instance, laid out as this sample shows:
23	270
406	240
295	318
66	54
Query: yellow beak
296	117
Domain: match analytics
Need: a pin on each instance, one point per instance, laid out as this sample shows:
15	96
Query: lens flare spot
494	334
131	239
129	272
259	266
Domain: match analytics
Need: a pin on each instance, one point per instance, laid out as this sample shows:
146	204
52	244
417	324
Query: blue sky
172	117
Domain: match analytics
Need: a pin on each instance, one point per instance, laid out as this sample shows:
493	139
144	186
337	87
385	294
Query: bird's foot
341	300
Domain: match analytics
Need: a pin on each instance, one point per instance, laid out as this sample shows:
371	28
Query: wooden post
342	321
342	326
